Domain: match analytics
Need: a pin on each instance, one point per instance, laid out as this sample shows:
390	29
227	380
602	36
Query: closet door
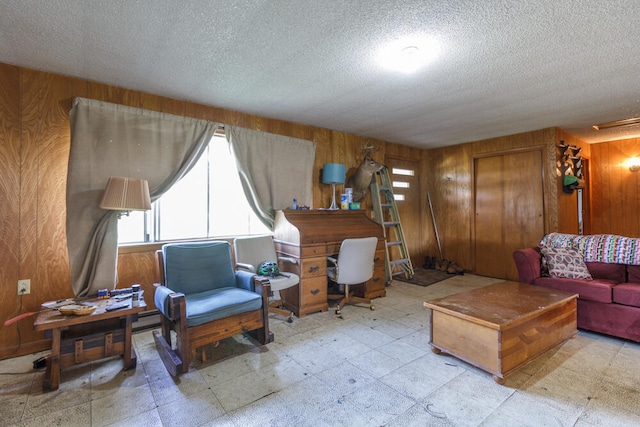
508	210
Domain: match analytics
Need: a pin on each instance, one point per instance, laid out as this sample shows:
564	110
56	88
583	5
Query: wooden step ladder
385	209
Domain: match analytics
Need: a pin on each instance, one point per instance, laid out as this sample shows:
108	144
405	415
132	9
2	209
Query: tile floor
365	368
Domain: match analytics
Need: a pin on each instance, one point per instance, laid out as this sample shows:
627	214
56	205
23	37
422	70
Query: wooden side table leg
129	353
52	374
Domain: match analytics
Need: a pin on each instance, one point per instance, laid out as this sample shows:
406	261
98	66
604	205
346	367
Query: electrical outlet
24	287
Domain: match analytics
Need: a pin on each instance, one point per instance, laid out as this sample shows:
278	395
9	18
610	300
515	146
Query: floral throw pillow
565	263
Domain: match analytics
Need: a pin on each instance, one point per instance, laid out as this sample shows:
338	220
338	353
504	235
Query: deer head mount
361	179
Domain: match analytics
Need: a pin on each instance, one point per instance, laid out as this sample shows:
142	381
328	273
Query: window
207	202
398	196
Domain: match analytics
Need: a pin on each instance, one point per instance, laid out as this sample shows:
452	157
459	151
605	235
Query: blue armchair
204	300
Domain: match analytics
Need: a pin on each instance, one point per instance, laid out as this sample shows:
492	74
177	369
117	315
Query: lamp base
334	206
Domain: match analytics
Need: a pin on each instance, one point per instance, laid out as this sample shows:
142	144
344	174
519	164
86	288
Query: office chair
254	250
204	300
353	266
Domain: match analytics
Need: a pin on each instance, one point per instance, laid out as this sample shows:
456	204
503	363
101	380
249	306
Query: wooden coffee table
501	327
80	339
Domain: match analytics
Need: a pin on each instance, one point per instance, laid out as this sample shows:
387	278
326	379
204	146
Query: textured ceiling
503	67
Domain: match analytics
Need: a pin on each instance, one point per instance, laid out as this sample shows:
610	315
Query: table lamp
333	173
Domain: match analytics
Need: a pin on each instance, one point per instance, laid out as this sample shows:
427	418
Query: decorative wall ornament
569	164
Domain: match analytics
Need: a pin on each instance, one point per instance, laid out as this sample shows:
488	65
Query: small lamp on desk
333	173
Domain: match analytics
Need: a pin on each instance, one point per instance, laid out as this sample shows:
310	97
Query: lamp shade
333	173
126	194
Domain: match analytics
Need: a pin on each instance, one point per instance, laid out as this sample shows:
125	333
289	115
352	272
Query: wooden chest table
501	327
80	339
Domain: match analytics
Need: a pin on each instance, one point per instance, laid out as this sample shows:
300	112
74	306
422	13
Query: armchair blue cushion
198	266
204	300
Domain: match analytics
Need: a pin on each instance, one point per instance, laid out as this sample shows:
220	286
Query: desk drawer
313	291
313	267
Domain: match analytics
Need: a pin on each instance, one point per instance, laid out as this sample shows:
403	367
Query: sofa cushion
565	263
627	294
634	273
599	290
603	270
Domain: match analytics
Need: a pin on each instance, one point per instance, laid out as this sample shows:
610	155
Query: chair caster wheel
290	319
372	308
338	311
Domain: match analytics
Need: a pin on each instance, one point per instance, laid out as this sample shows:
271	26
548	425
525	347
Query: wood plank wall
449	180
615	195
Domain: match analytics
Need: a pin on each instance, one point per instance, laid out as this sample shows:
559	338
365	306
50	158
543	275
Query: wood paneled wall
615	193
448	176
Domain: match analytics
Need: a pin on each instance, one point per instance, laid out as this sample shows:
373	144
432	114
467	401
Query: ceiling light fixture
410	50
618	123
408	55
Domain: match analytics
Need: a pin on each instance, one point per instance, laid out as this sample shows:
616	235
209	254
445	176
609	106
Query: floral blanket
608	248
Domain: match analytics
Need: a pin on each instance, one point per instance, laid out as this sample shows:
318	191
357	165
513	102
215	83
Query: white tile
345	378
72	416
457	408
375	363
366	334
271	410
529	410
108	377
150	418
198	409
241	390
402	351
121	404
170	389
379	403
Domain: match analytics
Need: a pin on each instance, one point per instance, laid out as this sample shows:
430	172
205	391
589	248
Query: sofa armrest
528	264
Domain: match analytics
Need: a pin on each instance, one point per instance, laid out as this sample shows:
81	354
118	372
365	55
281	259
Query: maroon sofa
609	304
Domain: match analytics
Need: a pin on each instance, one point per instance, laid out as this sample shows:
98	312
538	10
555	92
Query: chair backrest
254	250
355	260
198	266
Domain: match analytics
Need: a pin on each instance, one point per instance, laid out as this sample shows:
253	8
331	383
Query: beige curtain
115	140
274	169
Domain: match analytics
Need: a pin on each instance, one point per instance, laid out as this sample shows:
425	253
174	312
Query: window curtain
274	169
115	140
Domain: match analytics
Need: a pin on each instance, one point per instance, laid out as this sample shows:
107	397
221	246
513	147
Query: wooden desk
309	237
500	327
80	339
